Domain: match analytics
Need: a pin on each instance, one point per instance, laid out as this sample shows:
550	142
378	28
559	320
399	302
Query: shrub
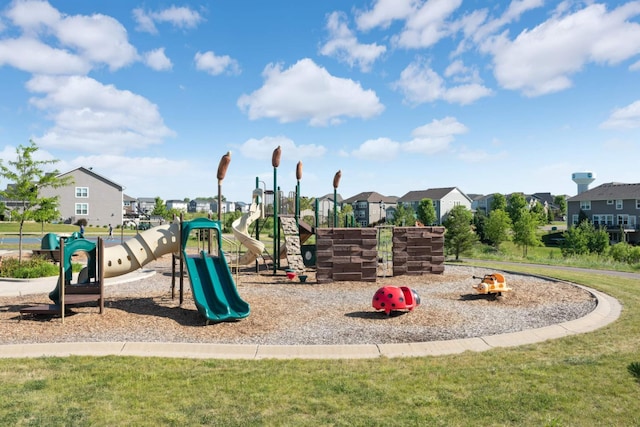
30	269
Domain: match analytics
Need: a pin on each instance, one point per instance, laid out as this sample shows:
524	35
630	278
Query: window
637	203
82	192
623	220
82	208
619	204
610	202
603	220
585	205
574	219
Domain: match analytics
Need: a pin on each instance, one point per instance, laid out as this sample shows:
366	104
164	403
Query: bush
30	269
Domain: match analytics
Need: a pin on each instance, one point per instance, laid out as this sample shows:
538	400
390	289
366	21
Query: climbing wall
418	250
292	243
346	254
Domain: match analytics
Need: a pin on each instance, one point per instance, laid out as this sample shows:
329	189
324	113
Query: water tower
583	179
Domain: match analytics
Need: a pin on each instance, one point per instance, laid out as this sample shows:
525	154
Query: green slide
214	290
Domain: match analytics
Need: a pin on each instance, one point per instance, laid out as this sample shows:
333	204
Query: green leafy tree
344	215
517	205
46	211
27	177
524	231
561	203
306	203
479	223
426	212
584	239
404	216
499	202
459	235
497	227
539	213
159	209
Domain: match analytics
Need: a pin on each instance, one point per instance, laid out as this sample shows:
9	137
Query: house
179	205
482	203
90	196
370	207
129	206
615	206
325	206
444	199
146	205
225	206
200	205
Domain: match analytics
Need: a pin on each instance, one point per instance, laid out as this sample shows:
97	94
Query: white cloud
33	16
427	25
157	60
262	149
179	17
306	91
419	84
624	118
383	13
381	149
33	56
95	39
542	60
435	136
99	38
215	65
91	117
344	46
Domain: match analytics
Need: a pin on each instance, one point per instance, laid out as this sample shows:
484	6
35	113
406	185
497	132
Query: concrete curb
607	310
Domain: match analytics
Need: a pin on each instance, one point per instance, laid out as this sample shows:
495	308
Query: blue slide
212	285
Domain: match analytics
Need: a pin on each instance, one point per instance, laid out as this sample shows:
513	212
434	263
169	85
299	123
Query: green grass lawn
580	380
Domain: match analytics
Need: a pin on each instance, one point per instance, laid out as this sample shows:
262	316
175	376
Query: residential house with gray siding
90	196
615	206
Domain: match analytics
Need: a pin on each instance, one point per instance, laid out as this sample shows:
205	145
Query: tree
497	227
404	216
479	223
585	238
499	202
459	236
539	212
426	212
46	211
524	231
27	177
561	202
517	204
159	209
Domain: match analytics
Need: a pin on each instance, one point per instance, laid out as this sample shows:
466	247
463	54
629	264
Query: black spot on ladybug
390	295
401	299
382	305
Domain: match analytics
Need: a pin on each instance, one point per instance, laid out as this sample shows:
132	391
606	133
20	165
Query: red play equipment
395	298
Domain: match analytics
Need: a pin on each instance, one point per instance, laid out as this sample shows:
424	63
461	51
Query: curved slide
240	229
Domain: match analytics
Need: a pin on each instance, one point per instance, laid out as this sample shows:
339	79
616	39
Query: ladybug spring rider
395	298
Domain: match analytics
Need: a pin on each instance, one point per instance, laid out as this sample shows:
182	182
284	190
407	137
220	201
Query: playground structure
212	285
491	284
342	253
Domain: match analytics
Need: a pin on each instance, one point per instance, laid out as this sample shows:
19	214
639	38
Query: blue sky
399	95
